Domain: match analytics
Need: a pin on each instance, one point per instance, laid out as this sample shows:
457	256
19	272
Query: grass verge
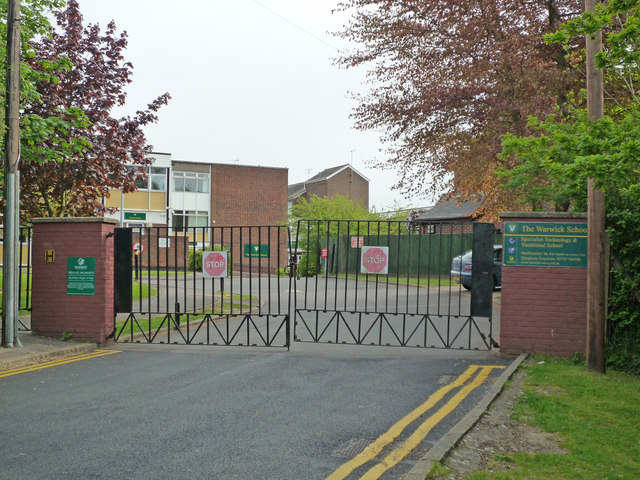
597	416
142	290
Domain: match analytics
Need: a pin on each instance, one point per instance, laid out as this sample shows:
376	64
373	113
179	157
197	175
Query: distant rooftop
453	208
330	172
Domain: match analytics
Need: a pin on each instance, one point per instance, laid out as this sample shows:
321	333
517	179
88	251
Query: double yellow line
400	452
55	363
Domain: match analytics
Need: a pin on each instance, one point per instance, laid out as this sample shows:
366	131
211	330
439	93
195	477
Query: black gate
391	283
203	285
24	280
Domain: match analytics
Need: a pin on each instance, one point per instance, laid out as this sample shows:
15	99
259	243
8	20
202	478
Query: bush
308	265
195	256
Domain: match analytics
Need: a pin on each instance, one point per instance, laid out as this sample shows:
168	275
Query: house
341	180
450	215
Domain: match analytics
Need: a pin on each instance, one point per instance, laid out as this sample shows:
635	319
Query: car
461	268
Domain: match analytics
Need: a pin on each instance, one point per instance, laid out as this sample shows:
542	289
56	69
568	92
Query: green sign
254	250
135	216
81	276
537	244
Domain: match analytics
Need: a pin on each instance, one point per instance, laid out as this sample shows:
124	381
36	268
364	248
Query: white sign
164	242
357	242
214	264
374	260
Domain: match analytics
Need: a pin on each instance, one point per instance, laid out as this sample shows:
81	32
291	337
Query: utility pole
596	272
11	197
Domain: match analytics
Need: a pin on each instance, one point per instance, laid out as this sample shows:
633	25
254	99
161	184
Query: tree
72	159
34	20
448	78
319	220
553	165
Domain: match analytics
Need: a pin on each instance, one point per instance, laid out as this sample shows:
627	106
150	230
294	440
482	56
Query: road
199	412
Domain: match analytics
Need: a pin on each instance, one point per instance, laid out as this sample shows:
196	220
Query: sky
252	82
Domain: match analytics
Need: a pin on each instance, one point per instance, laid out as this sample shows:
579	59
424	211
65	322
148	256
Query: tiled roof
330	172
296	190
450	209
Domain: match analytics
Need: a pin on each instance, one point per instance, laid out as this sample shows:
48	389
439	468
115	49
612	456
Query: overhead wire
273	12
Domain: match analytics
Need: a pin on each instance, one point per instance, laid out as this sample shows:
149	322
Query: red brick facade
246	195
544	309
88	317
347	183
153	255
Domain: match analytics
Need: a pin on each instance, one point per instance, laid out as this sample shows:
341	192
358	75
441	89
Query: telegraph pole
11	197
596	272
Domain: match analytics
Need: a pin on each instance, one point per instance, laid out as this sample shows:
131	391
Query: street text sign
81	276
254	250
214	264
357	242
374	260
540	244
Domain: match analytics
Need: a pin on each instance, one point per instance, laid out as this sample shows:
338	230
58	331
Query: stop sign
375	260
214	264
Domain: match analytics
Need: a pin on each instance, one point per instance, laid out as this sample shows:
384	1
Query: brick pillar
82	307
544	308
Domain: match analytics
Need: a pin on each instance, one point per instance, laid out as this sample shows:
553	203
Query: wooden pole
596	272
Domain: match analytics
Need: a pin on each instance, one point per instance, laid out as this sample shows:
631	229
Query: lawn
597	417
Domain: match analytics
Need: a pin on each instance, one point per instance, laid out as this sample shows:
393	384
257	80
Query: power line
273	12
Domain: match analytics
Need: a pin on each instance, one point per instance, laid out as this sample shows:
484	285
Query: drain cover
352	448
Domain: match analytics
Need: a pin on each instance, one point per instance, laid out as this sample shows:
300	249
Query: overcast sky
251	81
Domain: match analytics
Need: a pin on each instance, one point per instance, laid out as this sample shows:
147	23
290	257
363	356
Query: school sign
539	244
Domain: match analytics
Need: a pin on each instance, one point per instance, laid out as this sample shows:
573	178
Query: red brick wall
349	184
346	183
245	195
87	317
544	309
175	256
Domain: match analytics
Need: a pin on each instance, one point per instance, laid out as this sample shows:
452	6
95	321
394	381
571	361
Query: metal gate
203	285
344	282
24	280
390	283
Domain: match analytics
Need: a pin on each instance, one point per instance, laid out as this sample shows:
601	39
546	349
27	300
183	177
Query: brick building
183	195
341	180
450	215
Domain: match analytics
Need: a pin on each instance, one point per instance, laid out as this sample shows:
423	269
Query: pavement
36	349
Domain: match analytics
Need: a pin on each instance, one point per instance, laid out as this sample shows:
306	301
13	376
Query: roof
296	190
453	208
330	172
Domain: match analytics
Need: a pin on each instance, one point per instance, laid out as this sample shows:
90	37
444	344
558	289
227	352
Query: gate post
73	278
544	283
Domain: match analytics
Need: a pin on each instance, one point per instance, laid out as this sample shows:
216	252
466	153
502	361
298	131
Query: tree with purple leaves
74	150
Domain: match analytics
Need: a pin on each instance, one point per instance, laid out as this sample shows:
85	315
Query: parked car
461	268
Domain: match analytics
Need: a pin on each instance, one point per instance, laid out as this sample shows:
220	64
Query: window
190	182
183	220
155	178
158	179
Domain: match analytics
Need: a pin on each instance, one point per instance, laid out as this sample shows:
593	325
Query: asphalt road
200	412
